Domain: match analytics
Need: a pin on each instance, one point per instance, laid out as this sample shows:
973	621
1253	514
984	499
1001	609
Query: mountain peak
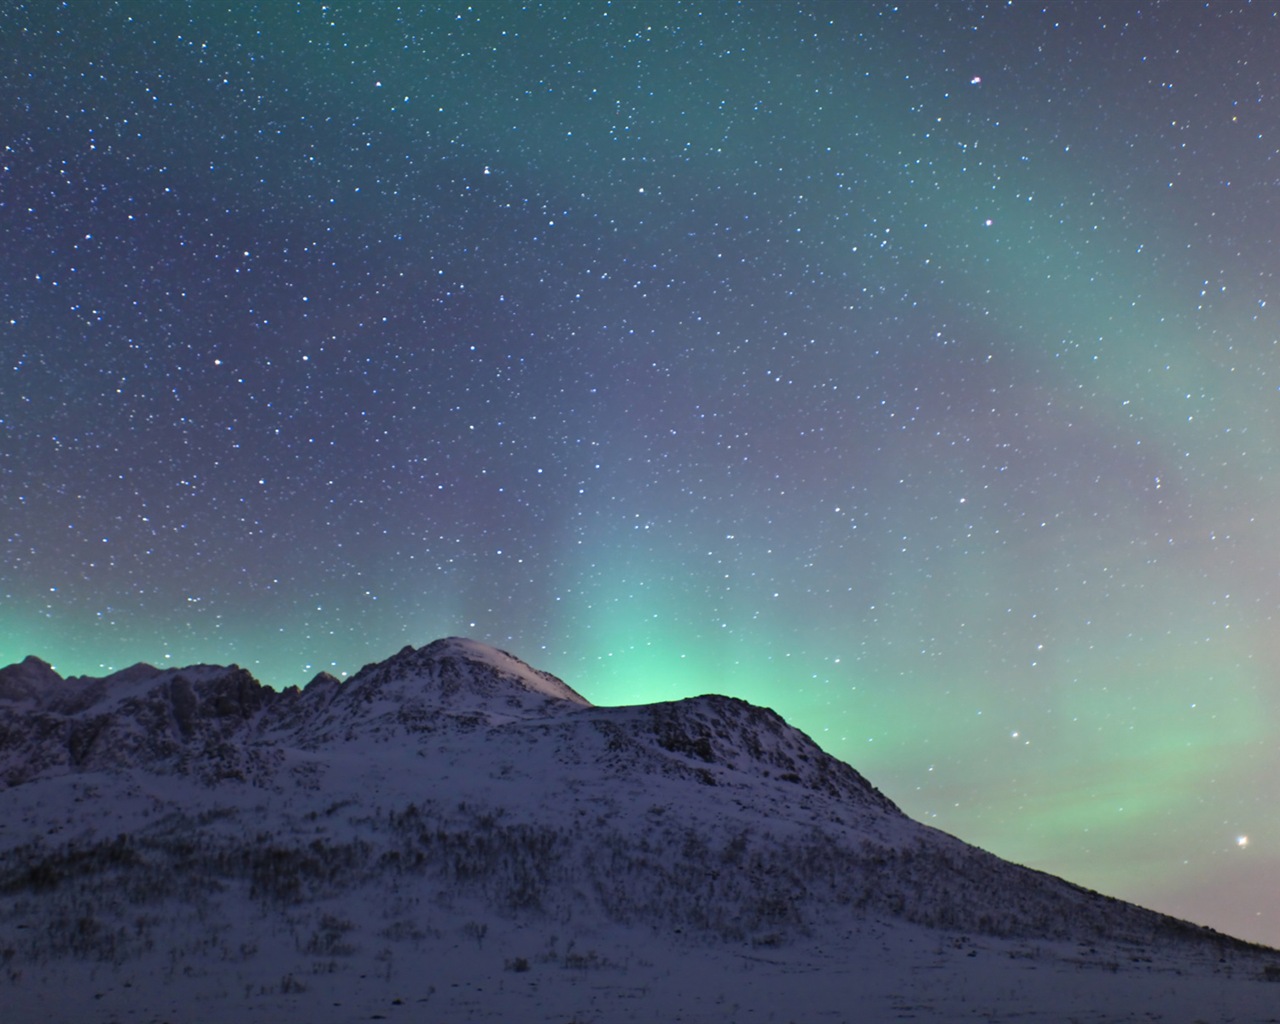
27	679
477	655
460	675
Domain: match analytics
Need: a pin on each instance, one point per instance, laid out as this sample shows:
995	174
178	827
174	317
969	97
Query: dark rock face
27	679
724	730
164	721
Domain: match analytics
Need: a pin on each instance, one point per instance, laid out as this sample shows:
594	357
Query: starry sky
909	368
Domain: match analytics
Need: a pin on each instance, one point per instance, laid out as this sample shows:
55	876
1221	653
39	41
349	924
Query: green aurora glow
909	370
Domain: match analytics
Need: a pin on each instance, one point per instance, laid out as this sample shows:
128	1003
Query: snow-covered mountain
454	828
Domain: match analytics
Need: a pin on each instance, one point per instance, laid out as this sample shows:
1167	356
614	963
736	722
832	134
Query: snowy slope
454	829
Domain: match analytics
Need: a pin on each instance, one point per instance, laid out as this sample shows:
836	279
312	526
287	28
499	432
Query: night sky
910	369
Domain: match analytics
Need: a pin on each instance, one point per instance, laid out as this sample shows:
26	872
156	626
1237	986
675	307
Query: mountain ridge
456	776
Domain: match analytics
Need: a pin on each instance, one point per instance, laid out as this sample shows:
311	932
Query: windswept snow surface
880	972
507	666
453	835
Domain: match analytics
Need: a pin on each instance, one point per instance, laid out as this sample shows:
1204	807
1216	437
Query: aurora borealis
911	369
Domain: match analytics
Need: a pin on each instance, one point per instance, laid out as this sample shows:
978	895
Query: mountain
455	830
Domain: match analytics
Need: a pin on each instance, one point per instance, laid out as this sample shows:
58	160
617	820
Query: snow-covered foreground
883	972
453	836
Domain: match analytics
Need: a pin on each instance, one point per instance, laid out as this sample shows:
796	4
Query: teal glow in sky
912	370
